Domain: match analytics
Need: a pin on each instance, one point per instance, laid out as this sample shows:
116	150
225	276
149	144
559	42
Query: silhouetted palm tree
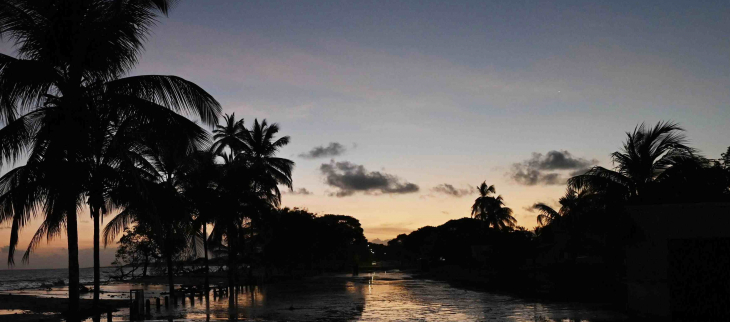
261	155
249	179
491	209
646	154
229	136
163	202
573	205
70	54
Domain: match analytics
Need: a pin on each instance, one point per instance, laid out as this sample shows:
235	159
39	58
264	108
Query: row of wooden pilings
136	314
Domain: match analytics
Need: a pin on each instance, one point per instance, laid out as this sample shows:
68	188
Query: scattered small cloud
450	190
332	150
300	191
445	212
549	169
350	178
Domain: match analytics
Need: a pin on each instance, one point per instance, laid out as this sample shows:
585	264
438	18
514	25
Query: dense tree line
587	235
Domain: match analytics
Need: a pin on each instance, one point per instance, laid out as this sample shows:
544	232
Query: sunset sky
398	109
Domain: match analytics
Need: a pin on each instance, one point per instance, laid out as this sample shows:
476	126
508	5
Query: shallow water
372	297
17	279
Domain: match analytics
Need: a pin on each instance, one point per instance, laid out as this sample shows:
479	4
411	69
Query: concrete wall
647	262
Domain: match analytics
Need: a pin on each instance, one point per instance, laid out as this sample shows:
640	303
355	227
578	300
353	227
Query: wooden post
157	303
167	302
109	316
147	306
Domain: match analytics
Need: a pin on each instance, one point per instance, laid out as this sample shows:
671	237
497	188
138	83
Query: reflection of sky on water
383	297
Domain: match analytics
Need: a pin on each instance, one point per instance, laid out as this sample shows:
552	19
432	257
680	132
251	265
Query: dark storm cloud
350	178
548	169
332	150
450	190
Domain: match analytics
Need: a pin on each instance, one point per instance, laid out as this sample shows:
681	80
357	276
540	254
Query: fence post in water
157	303
192	299
167	302
147	306
109	316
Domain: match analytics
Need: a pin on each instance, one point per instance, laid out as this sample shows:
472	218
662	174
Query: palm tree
572	206
261	155
645	155
230	136
248	185
71	54
163	202
491	209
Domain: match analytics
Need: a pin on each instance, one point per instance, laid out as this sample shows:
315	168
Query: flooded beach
376	296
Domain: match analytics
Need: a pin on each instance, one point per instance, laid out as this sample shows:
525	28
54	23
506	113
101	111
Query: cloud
549	169
300	191
332	150
389	229
350	178
445	212
450	190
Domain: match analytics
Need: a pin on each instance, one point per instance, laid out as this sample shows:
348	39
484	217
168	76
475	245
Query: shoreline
47	308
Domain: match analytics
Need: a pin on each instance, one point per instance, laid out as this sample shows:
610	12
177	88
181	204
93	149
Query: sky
398	109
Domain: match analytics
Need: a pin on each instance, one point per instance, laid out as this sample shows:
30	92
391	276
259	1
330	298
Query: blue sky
451	92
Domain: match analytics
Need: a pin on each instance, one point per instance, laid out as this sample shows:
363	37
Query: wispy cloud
332	150
300	191
450	190
389	229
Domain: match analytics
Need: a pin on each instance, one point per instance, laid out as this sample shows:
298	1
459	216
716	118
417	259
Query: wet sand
17	308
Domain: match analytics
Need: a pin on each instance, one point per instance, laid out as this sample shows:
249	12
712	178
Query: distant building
680	268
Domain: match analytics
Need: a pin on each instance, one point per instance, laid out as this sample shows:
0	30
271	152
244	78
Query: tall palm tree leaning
644	157
70	57
491	209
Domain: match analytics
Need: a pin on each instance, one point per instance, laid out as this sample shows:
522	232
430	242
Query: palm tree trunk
97	264
73	264
232	268
170	277
146	263
205	256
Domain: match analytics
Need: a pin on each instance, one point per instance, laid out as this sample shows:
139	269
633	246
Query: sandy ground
31	308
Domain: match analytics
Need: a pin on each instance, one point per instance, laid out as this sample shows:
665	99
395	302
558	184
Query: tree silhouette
491	209
645	155
71	55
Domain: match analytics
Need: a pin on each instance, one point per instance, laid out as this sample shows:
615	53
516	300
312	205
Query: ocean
19	279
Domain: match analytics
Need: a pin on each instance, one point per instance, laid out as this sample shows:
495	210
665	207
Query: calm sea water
19	279
382	296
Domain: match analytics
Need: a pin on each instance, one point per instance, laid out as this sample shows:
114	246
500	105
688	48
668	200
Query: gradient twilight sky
446	92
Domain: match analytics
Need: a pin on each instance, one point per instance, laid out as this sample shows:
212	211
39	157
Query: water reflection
378	297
